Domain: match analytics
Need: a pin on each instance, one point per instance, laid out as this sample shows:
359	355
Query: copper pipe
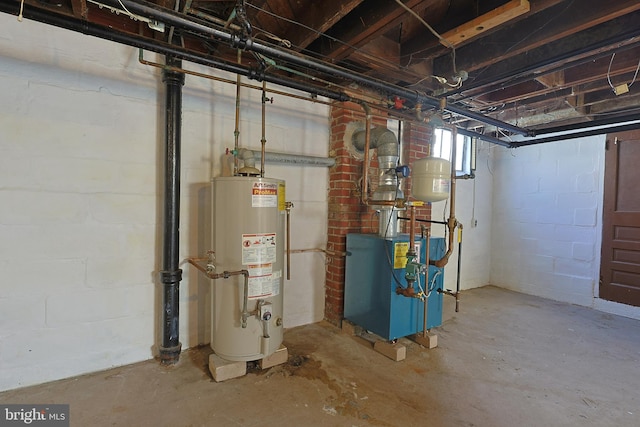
288	206
459	266
263	141
409	291
426	284
386	111
326	251
452	222
225	275
236	132
412	229
364	196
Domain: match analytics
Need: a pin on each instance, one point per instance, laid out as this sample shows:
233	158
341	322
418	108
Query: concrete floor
505	359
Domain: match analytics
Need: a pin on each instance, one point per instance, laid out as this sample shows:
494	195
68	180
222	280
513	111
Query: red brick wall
346	213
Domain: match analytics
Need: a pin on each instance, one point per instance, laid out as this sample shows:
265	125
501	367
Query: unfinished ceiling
535	64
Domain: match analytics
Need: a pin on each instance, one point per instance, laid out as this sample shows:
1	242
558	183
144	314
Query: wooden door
620	261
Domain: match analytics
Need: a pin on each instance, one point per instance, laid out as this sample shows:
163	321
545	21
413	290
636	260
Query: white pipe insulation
284	159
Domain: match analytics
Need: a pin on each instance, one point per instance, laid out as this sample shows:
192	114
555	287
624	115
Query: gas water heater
248	234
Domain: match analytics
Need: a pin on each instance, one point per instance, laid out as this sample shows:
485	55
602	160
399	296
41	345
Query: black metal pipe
459	268
424	220
574	135
584	125
171	274
487	138
87	28
241	42
527	72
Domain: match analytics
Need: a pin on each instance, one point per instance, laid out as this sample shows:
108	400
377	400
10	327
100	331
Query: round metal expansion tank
431	179
248	234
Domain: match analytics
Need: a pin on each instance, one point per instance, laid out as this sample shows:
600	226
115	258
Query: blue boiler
374	268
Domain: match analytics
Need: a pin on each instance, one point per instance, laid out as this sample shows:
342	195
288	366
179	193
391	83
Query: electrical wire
324	35
434	32
609	74
21	9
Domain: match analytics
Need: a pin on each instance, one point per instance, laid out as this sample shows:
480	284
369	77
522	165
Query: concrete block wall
547	219
81	130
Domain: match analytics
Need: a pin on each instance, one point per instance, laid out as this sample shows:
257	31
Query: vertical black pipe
171	275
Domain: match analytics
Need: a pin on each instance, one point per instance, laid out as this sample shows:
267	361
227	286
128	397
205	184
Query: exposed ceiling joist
545	67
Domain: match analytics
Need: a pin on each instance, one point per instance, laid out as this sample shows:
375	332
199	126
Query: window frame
465	151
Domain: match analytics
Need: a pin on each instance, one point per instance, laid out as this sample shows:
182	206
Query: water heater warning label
261	281
258	248
264	195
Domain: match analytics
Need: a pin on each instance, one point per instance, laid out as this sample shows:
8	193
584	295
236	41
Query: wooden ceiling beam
539	31
80	9
425	45
320	16
363	24
486	22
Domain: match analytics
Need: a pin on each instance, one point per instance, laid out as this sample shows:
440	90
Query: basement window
465	152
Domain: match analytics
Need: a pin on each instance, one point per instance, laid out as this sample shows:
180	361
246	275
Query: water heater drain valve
265	313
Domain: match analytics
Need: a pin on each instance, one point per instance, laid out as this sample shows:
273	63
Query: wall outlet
474	223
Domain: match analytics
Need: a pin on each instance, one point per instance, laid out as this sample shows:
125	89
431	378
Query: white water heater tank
248	234
431	179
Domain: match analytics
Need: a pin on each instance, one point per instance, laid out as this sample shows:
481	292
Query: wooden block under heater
279	357
393	351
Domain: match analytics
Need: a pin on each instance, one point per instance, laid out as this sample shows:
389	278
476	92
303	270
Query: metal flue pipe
171	274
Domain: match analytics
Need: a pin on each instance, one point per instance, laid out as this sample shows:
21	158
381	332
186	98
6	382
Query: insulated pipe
248	158
298	159
285	159
244	43
171	275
